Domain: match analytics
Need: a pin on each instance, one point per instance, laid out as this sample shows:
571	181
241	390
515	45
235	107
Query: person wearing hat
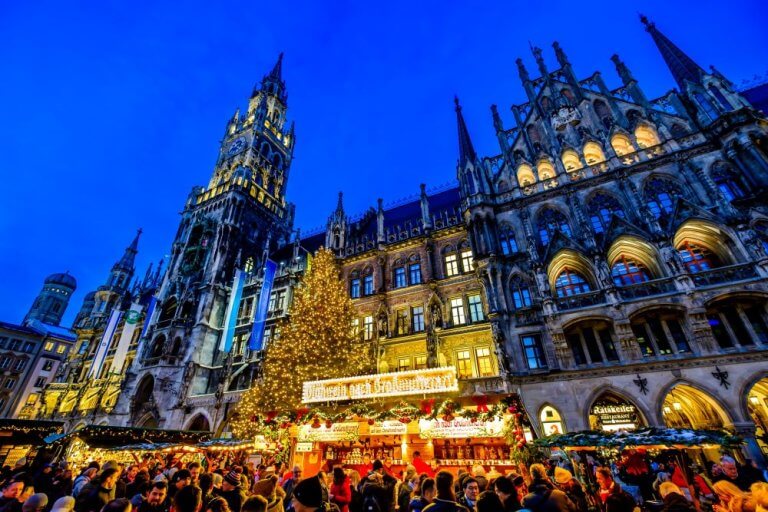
308	496
267	487
380	488
64	504
571	487
231	491
542	494
35	503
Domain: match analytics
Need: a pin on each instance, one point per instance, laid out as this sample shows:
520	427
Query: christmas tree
316	342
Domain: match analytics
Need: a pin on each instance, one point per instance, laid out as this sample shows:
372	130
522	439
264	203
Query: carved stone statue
383	323
437	315
669	255
432	358
602	272
542	281
500	347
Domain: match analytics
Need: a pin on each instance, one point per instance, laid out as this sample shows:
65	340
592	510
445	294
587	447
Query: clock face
236	146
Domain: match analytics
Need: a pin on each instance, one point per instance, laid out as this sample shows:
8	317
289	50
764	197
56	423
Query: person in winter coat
340	493
572	488
489	501
86	476
231	491
11	492
613	499
542	495
674	501
268	489
98	492
445	501
426	493
505	488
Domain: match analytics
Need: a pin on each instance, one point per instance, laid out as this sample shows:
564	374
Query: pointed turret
426	218
272	83
336	231
127	261
466	149
682	67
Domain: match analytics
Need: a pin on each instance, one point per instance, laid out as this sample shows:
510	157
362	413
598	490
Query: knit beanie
64	504
562	475
233	478
35	502
309	492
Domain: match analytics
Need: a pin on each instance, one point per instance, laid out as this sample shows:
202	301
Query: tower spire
129	256
466	149
277	70
682	67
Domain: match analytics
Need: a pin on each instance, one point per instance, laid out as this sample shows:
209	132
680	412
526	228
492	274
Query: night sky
110	112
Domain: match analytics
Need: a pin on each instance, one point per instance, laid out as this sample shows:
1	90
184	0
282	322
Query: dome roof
62	279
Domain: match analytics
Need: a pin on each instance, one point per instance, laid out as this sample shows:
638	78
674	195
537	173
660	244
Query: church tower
52	301
232	224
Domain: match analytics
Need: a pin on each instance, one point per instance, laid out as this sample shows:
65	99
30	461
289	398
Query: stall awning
105	436
24	432
663	437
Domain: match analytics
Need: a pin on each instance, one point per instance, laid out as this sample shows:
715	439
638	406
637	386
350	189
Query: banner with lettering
230	320
262	308
132	317
103	348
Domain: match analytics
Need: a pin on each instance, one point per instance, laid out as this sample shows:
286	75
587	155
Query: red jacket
342	495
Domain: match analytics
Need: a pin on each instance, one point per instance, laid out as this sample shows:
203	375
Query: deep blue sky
111	111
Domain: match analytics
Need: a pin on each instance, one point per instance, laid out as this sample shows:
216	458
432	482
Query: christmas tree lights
316	342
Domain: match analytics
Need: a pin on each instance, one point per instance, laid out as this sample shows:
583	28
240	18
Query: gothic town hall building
612	256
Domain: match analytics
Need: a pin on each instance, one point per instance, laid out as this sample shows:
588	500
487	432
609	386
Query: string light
316	343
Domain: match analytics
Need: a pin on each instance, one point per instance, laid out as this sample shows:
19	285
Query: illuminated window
248	265
571	160
622	145
570	282
475	308
697	258
400	277
661	196
521	293
550	221
601	208
464	364
414	273
451	265
48	347
368	328
646	136
534	353
61	348
728	183
401	321
484	362
457	311
48	365
368	285
525	176
626	271
417	318
32	398
466	260
355	326
545	170
508	243
707	106
593	153
419	362
354	288
404	364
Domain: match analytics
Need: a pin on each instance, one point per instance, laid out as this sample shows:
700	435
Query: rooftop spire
129	256
466	150
277	70
273	83
683	68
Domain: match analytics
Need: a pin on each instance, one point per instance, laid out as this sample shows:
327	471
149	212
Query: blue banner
231	318
148	315
260	314
103	348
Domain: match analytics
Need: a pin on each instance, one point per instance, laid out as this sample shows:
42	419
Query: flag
230	320
148	316
103	348
129	327
260	313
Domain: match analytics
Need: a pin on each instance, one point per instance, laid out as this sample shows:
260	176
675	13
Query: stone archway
551	421
199	423
757	408
685	406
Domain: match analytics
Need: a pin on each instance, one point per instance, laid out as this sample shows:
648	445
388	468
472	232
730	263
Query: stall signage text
388	428
338	432
460	428
615	413
414	382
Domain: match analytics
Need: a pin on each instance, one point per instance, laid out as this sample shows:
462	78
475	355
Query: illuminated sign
337	432
460	428
615	416
304	447
414	382
388	428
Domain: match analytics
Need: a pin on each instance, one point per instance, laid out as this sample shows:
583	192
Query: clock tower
233	223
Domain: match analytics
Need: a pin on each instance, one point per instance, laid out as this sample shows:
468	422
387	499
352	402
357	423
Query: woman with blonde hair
732	499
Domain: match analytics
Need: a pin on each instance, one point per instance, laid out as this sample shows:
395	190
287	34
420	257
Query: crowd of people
549	486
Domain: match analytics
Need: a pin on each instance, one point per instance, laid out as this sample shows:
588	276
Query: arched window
706	106
571	160
521	293
570	282
551	421
646	136
718	94
158	346
697	258
546	104
545	170
603	113
549	222
728	183
626	270
248	265
622	145
601	208
525	176
661	196
507	241
593	153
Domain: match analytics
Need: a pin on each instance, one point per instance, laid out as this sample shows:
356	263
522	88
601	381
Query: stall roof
21	432
671	437
106	436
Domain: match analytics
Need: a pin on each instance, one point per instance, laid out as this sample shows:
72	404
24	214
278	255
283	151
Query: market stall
20	438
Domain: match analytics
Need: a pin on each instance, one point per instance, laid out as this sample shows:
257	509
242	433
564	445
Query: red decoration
405	419
511	409
300	413
448	417
315	422
255	418
371	421
271	415
426	406
481	402
328	423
